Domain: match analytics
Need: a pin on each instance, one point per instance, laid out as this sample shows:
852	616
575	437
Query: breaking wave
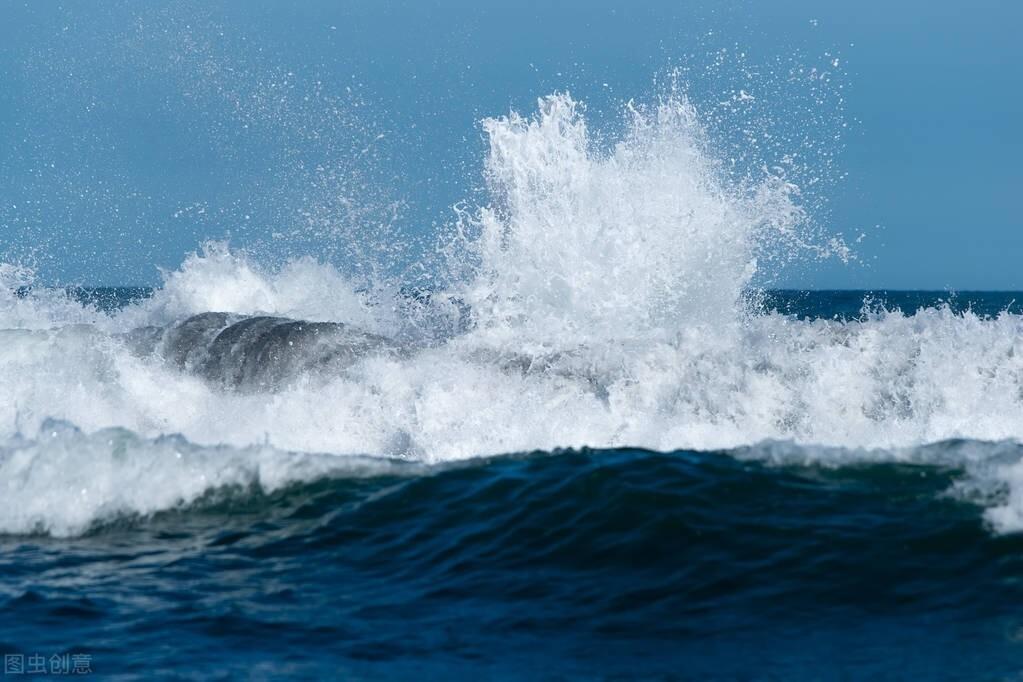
601	297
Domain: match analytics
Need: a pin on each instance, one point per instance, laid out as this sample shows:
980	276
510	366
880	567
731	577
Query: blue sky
129	132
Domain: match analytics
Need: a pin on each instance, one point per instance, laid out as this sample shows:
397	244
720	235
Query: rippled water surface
619	563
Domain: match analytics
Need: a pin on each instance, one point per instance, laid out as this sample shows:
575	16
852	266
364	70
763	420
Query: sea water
593	448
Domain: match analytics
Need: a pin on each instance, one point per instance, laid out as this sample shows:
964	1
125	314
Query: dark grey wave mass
257	353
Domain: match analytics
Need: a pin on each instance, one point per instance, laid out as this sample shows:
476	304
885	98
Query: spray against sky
132	133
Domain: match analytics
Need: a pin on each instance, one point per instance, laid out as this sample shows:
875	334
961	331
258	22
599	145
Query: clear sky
129	132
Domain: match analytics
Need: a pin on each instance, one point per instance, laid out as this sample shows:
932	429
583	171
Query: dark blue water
603	564
845	304
599	564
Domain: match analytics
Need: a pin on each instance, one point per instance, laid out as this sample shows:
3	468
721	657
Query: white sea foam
62	481
647	238
606	296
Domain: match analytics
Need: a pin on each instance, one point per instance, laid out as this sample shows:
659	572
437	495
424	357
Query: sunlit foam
605	289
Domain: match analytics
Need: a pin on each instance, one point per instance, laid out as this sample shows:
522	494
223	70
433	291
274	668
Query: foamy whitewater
602	297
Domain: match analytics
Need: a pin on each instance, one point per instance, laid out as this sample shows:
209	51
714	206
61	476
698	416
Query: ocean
596	446
888	552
